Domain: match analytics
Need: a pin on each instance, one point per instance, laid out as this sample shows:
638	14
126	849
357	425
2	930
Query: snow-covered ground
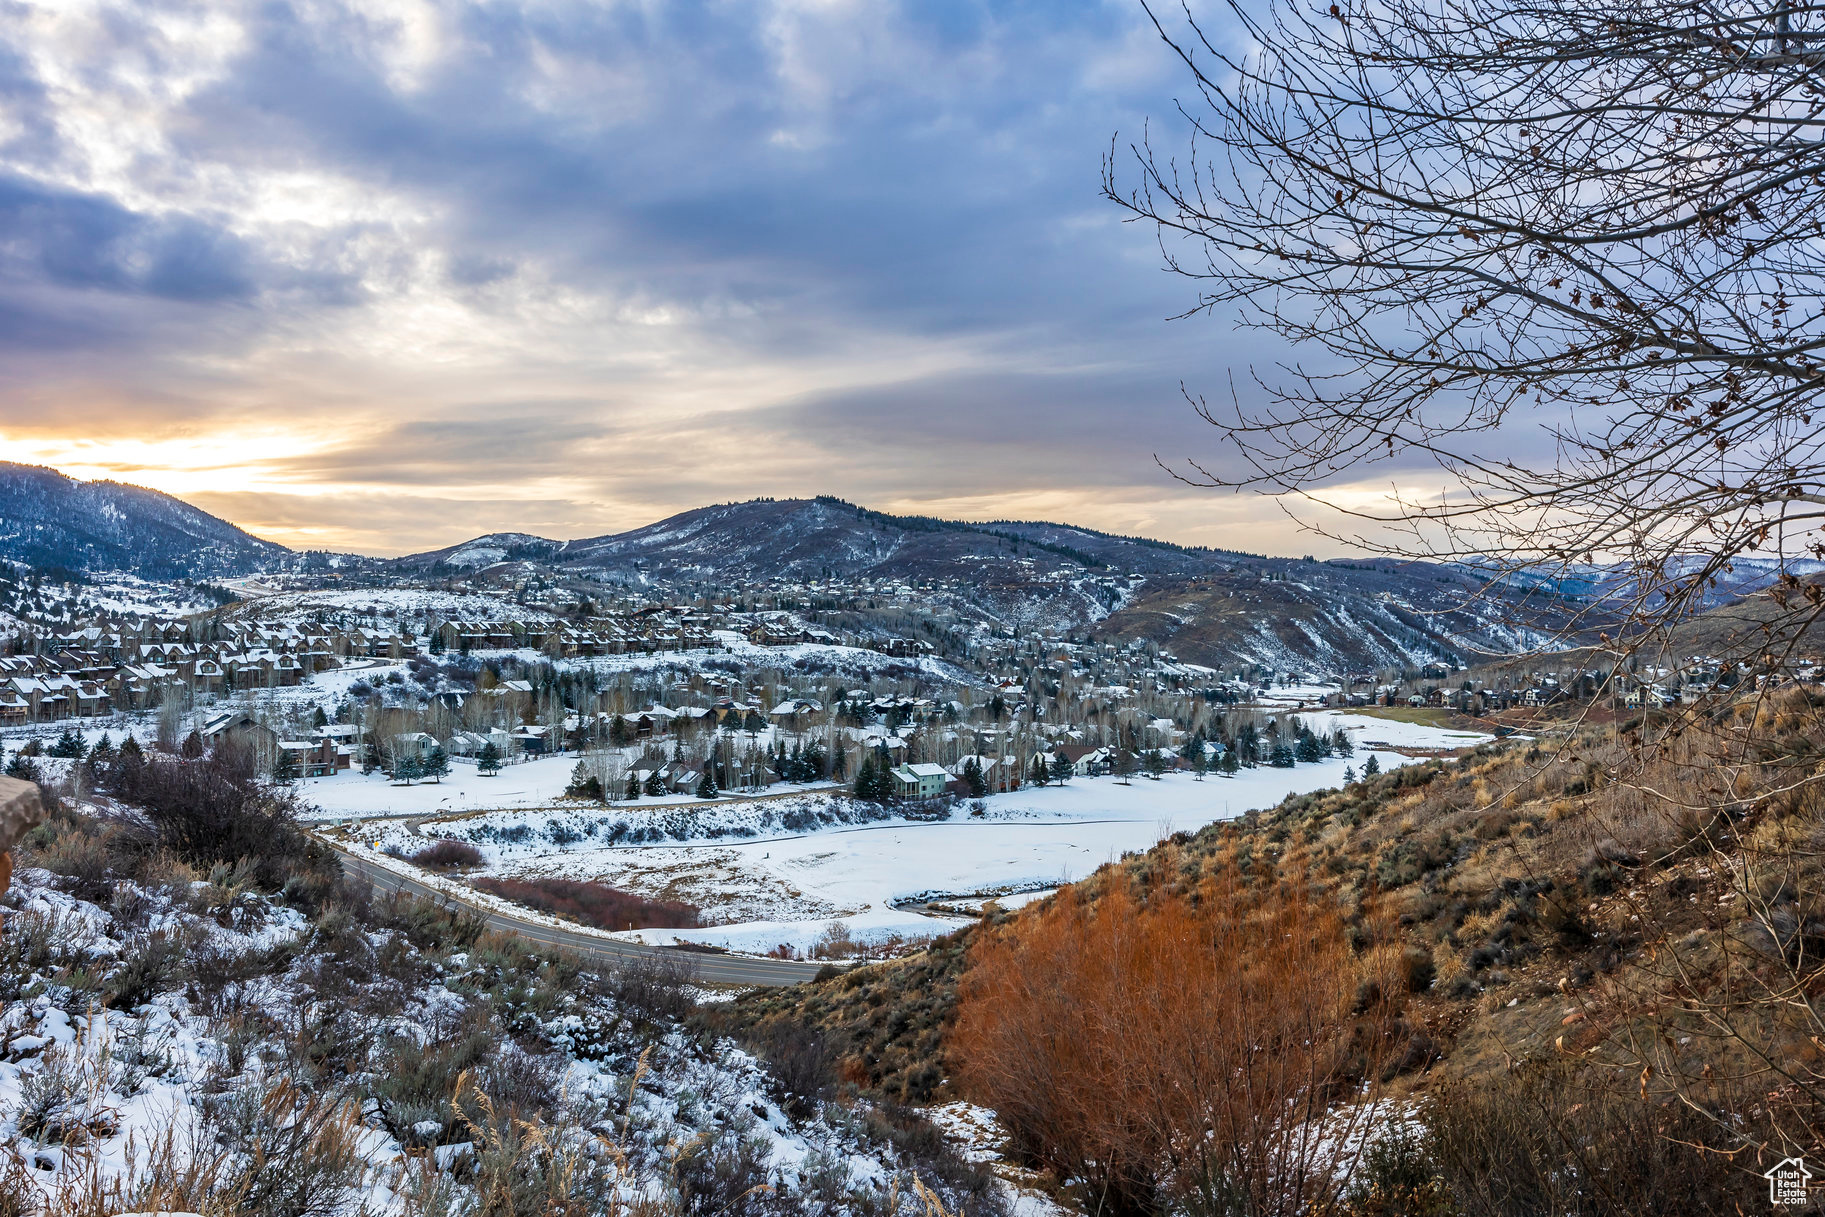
89	1094
770	885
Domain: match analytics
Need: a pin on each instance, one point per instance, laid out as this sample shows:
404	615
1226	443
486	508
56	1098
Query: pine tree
579	780
864	778
1340	743
437	764
1309	749
1349	774
1373	766
974	778
655	785
1038	774
1228	764
192	747
1062	769
408	769
285	769
633	785
488	761
1281	757
706	786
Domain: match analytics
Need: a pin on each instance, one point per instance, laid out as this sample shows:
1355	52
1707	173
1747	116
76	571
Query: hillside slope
47	519
1551	959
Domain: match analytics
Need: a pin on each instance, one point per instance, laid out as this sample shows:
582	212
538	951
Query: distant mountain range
47	519
1211	606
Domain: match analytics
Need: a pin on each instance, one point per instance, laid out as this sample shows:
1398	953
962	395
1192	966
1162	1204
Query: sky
380	275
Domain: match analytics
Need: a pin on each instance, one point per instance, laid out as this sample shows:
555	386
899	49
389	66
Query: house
314	758
920	781
415	744
795	713
240	729
1086	760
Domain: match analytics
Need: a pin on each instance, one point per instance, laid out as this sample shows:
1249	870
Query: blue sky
382	276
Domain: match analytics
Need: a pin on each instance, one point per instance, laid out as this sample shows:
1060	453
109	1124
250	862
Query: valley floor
765	885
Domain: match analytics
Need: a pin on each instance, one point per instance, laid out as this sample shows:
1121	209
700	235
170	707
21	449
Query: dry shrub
596	904
1168	1052
447	855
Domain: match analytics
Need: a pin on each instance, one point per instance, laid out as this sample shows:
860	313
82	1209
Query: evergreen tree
1062	769
706	786
70	745
1038	774
579	781
1349	774
130	750
655	785
1373	766
814	762
973	777
285	768
192	748
618	732
102	753
1340	743
1309	749
1281	757
864	778
633	785
319	718
488	760
1228	764
437	764
22	767
408	769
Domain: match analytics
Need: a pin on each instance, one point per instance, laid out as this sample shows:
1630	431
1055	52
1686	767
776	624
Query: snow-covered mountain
47	519
483	551
1212	606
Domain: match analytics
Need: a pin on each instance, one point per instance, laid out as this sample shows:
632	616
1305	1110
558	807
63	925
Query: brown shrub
596	904
1167	1051
447	855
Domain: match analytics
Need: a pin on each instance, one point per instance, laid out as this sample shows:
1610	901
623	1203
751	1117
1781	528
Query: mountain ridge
50	519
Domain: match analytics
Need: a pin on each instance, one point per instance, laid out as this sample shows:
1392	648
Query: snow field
780	887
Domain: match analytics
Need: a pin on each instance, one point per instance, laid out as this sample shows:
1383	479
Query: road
711	969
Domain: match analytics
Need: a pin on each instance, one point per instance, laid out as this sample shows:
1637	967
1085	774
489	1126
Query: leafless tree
1600	223
1572	255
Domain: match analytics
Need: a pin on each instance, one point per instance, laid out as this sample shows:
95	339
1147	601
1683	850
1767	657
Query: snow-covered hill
47	519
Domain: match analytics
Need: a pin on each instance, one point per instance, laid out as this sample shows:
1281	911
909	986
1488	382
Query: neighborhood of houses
418	692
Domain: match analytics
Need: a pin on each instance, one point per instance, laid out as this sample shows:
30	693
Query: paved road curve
710	968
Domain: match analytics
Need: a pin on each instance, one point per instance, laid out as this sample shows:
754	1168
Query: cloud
433	269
